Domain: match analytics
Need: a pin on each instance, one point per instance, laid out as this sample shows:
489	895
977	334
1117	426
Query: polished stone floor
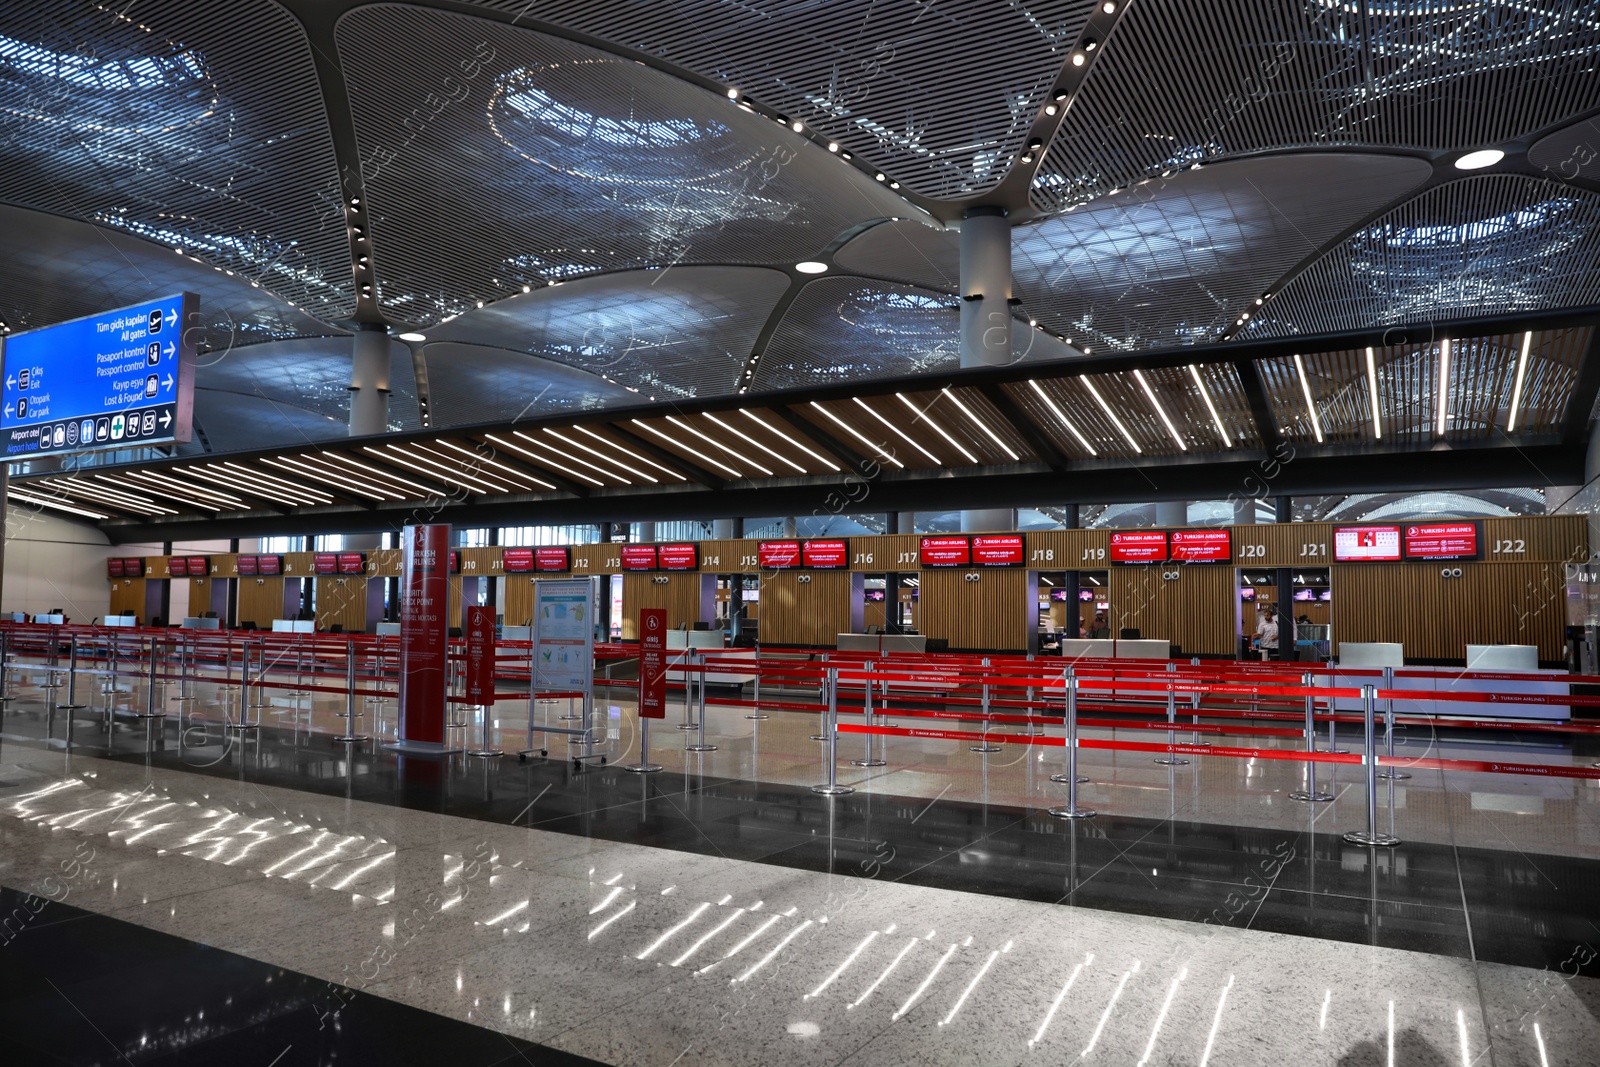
722	913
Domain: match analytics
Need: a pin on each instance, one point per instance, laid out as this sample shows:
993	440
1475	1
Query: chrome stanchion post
1172	759
984	745
1071	772
1371	835
1071	809
866	707
700	689
830	682
1310	793
757	714
688	697
244	691
1388	729
350	736
644	766
72	707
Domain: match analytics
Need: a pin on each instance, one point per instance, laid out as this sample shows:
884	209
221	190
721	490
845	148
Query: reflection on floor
288	849
80	988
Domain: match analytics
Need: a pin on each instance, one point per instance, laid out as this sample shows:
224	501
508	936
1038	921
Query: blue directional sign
119	379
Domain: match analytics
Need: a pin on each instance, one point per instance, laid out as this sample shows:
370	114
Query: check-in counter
111	620
1143	648
1482	660
192	622
881	642
1114	648
708	641
293	626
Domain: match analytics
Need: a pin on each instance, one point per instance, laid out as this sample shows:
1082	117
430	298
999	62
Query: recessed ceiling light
413	336
733	94
797	125
832	147
1049	109
1483	157
811	266
1077	59
1108	7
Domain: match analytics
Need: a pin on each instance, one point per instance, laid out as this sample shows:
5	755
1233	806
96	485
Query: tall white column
986	318
369	400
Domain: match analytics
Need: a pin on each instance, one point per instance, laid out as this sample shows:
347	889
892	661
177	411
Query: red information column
480	655
424	596
652	663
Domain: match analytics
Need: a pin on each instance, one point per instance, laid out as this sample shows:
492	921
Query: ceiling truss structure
1463	410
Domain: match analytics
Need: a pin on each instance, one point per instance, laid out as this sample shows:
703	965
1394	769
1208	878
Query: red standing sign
480	655
424	599
652	663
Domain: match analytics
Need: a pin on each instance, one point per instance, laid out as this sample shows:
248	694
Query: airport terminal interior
747	532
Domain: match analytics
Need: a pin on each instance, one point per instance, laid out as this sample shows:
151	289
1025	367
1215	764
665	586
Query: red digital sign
1202	546
199	566
352	563
945	552
1366	543
269	564
1139	546
178	566
247	565
1442	540
825	555
516	560
455	562
997	550
638	557
325	563
114	568
682	557
778	555
558	560
133	567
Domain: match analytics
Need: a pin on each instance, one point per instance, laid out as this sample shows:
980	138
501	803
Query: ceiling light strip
114	497
541	458
630	453
344	484
922	413
878	450
601	455
980	424
903	435
1205	394
430	468
226	499
439	459
686	448
18	494
315	463
169	494
779	456
824	460
387	476
273	479
1372	394
717	444
299	496
512	470
1161	411
1444	385
1305	390
1516	388
1112	415
1059	414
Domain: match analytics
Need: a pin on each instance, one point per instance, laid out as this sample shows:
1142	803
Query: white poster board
563	634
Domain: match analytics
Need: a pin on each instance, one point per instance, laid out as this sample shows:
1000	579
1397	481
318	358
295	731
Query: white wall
55	563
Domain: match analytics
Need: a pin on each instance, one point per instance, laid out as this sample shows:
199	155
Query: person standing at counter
1099	629
1267	634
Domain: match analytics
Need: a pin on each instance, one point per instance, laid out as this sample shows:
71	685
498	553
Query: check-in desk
191	622
710	641
293	626
1482	660
893	643
1114	648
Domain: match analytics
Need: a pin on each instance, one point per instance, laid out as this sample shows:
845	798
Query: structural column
986	318
369	400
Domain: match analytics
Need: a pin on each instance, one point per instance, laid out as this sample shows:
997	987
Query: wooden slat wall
805	613
1556	538
1295	544
1195	611
1436	617
679	594
127	594
990	613
342	600
260	601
